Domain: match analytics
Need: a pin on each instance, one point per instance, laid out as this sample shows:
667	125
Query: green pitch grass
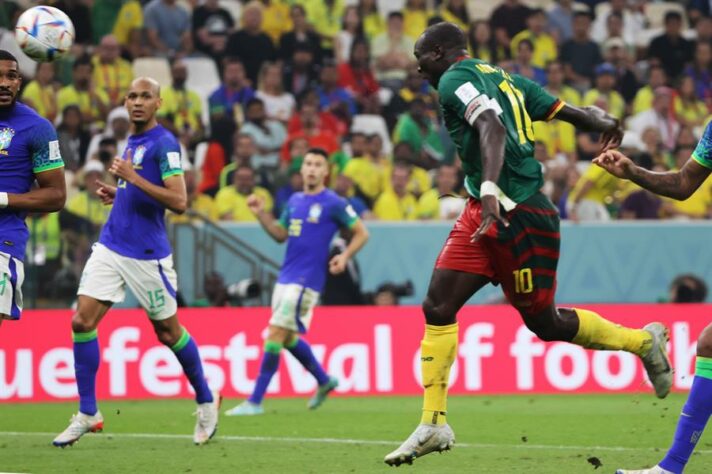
533	434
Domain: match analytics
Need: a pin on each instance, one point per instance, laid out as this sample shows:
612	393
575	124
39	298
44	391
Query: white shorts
12	274
293	306
153	282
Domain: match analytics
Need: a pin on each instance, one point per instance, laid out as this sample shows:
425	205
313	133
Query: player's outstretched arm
593	119
48	197
674	184
273	227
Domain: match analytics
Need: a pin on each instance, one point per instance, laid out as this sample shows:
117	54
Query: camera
244	290
389	293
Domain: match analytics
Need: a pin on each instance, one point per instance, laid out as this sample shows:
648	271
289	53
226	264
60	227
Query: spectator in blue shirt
232	96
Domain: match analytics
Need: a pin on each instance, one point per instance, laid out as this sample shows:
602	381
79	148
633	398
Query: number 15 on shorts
156	298
523	282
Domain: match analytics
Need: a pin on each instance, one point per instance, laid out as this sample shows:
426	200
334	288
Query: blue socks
693	419
187	353
270	364
303	353
86	363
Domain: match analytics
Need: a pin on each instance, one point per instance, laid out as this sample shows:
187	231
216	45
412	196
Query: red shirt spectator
356	76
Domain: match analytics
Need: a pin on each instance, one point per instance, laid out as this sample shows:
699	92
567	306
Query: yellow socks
438	350
596	332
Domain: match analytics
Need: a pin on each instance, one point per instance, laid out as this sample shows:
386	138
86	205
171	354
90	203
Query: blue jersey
28	145
311	221
136	226
703	151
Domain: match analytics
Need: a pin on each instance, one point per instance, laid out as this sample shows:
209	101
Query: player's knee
82	323
704	342
166	336
438	313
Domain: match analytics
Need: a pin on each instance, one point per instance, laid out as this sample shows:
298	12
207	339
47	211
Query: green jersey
468	88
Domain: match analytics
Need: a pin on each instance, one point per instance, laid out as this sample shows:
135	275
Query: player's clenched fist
255	203
615	163
106	192
337	264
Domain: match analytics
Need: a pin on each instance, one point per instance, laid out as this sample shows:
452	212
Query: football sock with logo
695	413
302	351
187	353
438	350
270	364
86	364
596	332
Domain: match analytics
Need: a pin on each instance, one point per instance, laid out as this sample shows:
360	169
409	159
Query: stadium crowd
248	87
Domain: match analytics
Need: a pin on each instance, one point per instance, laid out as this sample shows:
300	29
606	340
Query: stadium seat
481	9
8	43
387	6
203	79
157	68
655	13
644	37
234	8
370	124
200	151
186	5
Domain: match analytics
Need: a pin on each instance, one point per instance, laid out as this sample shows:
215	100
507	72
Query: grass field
532	434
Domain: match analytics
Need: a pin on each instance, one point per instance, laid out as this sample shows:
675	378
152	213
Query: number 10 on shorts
523	282
156	298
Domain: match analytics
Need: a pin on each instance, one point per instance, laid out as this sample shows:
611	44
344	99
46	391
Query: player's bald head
447	36
147	82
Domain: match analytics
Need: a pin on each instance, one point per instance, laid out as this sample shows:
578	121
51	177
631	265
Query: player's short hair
7	56
448	35
318	151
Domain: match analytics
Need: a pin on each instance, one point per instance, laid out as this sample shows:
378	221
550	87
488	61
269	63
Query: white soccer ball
44	33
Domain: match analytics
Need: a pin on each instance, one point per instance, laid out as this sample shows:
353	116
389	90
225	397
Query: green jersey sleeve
44	148
463	92
703	150
344	214
539	103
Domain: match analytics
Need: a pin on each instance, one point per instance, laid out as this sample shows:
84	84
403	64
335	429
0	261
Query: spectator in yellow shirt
365	170
689	110
697	206
455	11
593	192
415	17
112	73
40	93
419	181
373	22
558	136
396	203
325	16
92	101
129	19
86	203
644	97
231	201
275	19
197	201
545	49
605	85
181	109
442	202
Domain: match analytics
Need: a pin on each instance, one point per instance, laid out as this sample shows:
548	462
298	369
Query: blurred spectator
104	14
605	87
392	53
522	63
415	86
594	192
557	87
268	135
73	138
295	184
310	127
644	97
275	18
344	187
107	151
442	202
419	181
653	144
688	288
229	99
633	22
455	11
333	98
351	29
641	203
279	105
301	34
417	129
689	110
168	27
117	127
697	206
325	16
580	55
366	170
588	143
615	53
211	25
507	20
396	203
327	120
356	75
251	45
701	71
9	11
79	12
297	147
544	45
300	74
614	31
86	203
483	45
670	49
415	17
703	29
373	22
112	73
40	93
243	155
181	109
92	101
343	289
218	154
198	202
215	292
129	22
561	19
660	117
231	201
557	136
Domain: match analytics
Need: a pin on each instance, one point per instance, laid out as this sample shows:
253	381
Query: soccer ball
44	33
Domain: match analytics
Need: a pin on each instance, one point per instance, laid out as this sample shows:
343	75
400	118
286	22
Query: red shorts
521	257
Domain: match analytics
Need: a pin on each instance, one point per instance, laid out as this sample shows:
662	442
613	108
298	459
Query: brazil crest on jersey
468	88
28	146
136	227
311	221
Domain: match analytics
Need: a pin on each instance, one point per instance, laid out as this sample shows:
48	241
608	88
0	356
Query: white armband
490	188
4	201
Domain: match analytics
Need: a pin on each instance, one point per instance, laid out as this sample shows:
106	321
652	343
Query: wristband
4	201
489	188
